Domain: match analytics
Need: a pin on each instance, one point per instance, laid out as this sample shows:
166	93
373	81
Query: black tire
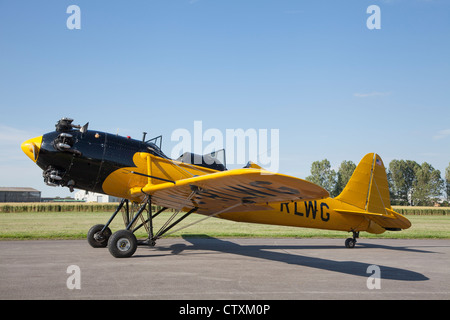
97	239
350	243
122	244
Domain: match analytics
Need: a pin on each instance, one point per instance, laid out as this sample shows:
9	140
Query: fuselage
111	164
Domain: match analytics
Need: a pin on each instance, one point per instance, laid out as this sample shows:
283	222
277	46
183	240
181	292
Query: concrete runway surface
227	269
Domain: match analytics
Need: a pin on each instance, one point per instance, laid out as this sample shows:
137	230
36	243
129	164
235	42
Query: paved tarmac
228	269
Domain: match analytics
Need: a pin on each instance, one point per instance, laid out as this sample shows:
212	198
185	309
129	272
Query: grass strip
75	225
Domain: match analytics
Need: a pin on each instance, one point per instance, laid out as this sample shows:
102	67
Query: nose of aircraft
31	148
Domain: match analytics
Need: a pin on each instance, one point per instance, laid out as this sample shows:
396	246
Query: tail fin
368	190
368	187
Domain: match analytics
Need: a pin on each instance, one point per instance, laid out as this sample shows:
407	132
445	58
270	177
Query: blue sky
311	69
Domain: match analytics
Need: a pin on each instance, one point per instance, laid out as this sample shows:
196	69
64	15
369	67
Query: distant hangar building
13	194
89	196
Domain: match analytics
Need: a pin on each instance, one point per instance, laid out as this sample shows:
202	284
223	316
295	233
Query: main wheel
122	244
350	243
98	239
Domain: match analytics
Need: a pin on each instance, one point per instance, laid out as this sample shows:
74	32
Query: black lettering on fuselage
311	209
323	204
295	210
286	204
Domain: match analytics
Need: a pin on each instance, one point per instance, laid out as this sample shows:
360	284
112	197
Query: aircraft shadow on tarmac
202	242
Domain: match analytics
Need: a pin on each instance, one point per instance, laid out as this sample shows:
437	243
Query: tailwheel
351	242
98	236
122	244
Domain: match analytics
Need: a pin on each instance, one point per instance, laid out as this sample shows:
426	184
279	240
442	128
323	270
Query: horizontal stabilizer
390	220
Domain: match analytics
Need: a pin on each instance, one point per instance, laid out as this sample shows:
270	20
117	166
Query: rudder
368	187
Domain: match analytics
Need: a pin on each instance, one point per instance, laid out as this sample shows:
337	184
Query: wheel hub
99	237
123	244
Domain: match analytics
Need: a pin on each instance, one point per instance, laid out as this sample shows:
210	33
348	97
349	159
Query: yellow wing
247	187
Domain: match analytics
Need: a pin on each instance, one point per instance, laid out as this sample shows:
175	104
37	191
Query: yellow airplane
141	174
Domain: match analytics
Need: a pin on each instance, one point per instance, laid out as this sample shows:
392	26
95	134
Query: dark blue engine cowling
75	157
84	160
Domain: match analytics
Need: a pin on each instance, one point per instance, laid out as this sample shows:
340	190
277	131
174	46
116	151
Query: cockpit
214	160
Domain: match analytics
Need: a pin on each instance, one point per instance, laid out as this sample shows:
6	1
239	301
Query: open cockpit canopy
214	160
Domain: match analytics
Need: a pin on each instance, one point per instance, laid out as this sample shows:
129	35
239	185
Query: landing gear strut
123	243
351	242
99	234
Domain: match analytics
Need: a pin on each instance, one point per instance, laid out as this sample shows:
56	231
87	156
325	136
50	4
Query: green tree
343	176
402	176
428	185
323	175
447	182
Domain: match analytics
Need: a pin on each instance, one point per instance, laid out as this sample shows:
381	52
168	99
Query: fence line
110	207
